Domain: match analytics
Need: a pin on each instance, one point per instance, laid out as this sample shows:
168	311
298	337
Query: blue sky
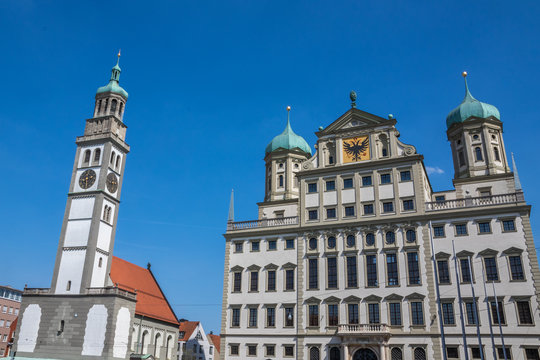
209	83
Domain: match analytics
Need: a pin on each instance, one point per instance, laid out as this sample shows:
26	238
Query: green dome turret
470	107
288	140
113	85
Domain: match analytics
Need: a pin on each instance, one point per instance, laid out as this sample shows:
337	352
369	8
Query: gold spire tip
464	74
288	108
119	50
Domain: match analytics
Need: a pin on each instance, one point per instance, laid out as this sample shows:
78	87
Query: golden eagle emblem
356	149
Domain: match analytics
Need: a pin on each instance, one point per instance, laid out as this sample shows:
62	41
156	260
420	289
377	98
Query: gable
354	119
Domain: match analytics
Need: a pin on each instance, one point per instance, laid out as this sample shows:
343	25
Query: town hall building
354	256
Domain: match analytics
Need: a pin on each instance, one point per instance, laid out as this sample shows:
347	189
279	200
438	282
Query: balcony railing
475	201
363	329
36	291
263	223
111	291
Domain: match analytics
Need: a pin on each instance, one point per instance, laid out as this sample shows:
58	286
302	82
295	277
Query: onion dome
470	107
288	140
113	85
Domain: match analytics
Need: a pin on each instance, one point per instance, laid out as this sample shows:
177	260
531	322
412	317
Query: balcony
475	202
364	329
263	223
36	291
89	291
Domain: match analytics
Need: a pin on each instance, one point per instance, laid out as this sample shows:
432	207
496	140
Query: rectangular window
332	273
289	279
235	322
405	175
392	269
312	215
395	314
475	352
448	314
484	228
270	350
452	352
494	318
313	274
353	313
333	315
388	207
289	244
524	313
414	269
501	351
313	315
270	317
465	270
516	268
472	312
272	245
440	198
253	317
461	229
330	185
491	269
237	282
509	225
438	231
331	213
408	205
444	273
312	188
347	183
271	280
531	354
385	179
352	277
368	209
255	246
371	270
374	313
417	313
289	350
252	350
366	180
254	281
289	317
349	210
234	350
238	247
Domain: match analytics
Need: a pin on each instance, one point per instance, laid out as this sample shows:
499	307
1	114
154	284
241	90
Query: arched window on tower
98	107
497	155
106	105
68	286
280	180
105	210
113	155
62	324
100	262
117	165
86	160
97	155
114	104
144	341
461	159
478	154
383	145
121	109
109	214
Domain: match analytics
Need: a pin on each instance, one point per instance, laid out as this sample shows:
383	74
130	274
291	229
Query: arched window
108	217
383	145
478	153
331	161
61	329
370	239
334	354
106	105
314	353
396	354
121	109
497	156
281	180
169	347
390	237
461	158
68	286
419	354
99	107
157	346
144	342
100	262
86	159
105	212
97	155
312	243
113	155
114	103
117	165
133	339
410	235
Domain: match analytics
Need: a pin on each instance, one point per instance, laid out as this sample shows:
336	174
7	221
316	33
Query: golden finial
119	50
288	108
464	74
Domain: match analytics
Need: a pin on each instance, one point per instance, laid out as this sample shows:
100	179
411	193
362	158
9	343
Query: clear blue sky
208	83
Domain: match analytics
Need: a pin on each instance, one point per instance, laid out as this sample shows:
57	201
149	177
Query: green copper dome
288	140
113	85
471	107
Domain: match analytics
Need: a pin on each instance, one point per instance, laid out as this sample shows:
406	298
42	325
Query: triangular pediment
352	299
271	267
464	254
254	267
512	251
488	252
392	297
288	265
237	268
332	299
372	298
415	296
354	119
442	255
313	300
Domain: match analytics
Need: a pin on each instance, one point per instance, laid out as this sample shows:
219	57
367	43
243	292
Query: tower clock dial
112	183
87	179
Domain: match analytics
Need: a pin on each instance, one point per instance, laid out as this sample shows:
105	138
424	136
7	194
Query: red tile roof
151	301
187	327
216	340
12	328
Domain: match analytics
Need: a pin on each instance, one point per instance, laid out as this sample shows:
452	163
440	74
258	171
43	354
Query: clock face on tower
112	183
87	179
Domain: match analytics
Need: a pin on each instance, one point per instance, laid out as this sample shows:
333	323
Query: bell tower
475	135
84	254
